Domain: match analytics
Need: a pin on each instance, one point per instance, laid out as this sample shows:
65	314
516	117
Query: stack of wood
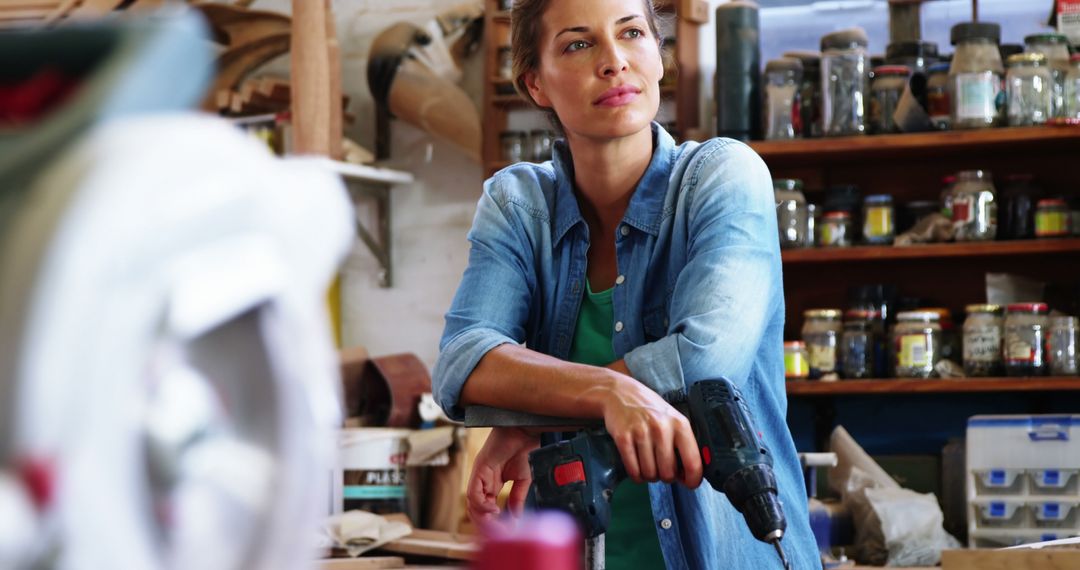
259	95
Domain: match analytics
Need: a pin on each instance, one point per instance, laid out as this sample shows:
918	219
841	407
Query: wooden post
316	77
905	23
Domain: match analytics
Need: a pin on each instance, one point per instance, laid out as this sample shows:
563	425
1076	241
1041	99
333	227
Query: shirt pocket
655	323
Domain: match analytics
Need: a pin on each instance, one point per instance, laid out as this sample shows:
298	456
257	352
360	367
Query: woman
628	267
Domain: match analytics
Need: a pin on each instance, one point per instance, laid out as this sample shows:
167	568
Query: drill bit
780	551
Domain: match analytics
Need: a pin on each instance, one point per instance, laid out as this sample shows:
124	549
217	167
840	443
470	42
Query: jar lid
792	184
984	308
918	316
822	313
809	59
938	68
975	31
1051	203
845	39
1028	308
1020	59
911	49
892	70
1046	39
837	215
878	199
974	175
783	64
795	344
861	314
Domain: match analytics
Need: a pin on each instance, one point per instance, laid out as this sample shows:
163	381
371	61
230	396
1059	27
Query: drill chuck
752	491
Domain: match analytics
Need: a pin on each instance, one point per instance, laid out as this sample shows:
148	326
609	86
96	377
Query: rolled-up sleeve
491	306
727	291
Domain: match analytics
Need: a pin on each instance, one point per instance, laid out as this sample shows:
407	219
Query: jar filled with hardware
1029	90
835	229
974	206
809	92
1072	88
792	214
938	99
916	55
513	146
796	361
1025	339
857	344
916	344
845	82
540	145
1052	218
782	79
1016	215
950	335
885	91
982	341
975	75
1061	346
1055	48
879	226
821	332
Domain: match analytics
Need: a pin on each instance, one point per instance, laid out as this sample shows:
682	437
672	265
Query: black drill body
580	475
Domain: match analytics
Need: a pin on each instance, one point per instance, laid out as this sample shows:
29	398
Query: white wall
430	217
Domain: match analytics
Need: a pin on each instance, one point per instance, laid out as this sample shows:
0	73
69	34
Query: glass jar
513	146
918	56
982	341
948	184
821	332
916	344
791	212
1025	338
1016	216
975	75
974	209
845	82
835	230
938	99
1029	90
1072	88
857	344
813	214
879	226
809	93
950	336
540	145
796	361
506	63
1055	47
782	79
1052	218
1061	347
885	91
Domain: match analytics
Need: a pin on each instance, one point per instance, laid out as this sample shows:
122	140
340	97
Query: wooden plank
936	386
362	563
925	251
312	79
1043	559
434	543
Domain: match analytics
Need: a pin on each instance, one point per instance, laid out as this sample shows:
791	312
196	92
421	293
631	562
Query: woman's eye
574	46
635	34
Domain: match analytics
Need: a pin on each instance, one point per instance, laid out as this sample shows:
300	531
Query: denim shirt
699	295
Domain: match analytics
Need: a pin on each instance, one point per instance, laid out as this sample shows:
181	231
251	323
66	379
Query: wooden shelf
891	147
931	251
935	386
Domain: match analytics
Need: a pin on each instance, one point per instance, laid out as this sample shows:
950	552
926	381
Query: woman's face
600	67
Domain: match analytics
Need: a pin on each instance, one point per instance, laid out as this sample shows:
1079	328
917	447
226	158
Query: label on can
795	366
976	95
377	491
913	351
1051	224
879	222
982	344
963	208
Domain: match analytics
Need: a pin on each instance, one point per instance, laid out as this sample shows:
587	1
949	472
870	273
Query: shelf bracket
380	241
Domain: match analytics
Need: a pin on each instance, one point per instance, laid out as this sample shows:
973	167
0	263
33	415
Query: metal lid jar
888	85
821	332
1029	90
836	229
792	214
1025	339
782	80
1052	218
845	82
974	206
858	343
982	340
1056	49
975	75
796	361
916	344
1061	346
809	92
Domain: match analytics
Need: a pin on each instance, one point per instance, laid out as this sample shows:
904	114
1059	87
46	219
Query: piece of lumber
1027	559
237	63
362	563
434	543
312	79
235	26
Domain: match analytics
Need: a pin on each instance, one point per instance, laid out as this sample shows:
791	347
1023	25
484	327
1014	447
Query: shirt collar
646	205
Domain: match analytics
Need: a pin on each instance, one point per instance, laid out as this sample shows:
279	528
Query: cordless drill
580	475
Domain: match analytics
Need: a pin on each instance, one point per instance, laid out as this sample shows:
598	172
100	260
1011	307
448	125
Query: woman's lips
617	96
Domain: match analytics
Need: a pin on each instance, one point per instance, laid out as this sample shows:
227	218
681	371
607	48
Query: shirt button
625	230
665	524
620	280
618	326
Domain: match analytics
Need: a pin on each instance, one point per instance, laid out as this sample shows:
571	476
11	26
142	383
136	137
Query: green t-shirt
631	541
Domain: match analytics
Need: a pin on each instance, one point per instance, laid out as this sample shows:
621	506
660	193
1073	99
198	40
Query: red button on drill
705	455
569	473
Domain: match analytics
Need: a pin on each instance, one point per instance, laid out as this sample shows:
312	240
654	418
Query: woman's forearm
516	378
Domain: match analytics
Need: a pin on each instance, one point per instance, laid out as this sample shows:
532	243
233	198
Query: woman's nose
613	61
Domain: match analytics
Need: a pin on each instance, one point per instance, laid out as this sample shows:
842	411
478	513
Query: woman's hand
504	457
648	433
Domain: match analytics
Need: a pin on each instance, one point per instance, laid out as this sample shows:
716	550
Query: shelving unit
986	250
802	389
